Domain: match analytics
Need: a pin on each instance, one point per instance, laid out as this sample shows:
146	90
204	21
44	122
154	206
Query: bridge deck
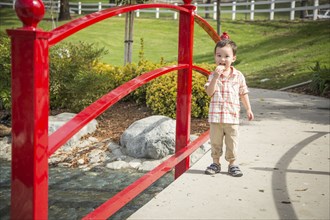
284	155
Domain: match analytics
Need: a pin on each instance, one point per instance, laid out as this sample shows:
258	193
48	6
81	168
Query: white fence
249	8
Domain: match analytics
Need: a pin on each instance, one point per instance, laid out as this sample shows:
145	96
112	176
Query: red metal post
183	107
29	186
30	101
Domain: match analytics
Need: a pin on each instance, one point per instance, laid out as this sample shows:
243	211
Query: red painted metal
122	198
187	2
31	145
64	133
183	109
29	181
207	27
70	28
30	102
201	70
30	12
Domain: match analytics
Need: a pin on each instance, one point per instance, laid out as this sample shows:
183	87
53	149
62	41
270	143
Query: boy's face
224	56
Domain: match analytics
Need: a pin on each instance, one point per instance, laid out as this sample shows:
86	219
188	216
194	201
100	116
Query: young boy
226	86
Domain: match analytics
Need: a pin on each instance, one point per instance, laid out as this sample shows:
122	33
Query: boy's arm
210	89
247	106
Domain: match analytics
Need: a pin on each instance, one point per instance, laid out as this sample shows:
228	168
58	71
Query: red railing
31	145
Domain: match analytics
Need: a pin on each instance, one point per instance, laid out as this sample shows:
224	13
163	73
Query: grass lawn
281	51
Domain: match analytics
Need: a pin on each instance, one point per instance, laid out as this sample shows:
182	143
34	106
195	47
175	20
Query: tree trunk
218	17
64	11
207	8
129	24
303	13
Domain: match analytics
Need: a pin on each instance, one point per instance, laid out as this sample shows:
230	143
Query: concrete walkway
284	155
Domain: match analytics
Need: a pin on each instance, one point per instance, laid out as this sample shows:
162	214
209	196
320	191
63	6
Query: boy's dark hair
226	42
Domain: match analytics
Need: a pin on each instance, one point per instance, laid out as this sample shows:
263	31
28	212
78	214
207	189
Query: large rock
152	137
57	121
69	147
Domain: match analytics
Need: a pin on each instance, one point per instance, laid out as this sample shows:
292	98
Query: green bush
161	94
320	84
139	95
5	73
74	80
120	75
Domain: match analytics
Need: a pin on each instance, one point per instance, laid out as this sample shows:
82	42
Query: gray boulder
57	121
152	137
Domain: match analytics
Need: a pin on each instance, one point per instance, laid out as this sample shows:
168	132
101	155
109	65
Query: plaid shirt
225	102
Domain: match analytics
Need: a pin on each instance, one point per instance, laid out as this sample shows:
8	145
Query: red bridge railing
31	145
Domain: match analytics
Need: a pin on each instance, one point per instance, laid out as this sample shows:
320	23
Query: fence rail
249	9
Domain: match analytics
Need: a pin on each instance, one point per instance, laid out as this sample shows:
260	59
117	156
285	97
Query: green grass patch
281	52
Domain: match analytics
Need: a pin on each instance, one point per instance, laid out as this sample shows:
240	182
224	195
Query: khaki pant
224	133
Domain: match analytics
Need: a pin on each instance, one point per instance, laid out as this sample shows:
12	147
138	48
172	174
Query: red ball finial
187	2
30	12
224	36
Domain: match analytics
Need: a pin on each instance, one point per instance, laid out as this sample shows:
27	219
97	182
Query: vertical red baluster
30	101
185	56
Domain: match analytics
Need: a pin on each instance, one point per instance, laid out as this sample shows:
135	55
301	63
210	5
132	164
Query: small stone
286	202
64	165
117	152
149	165
95	156
136	163
112	146
116	165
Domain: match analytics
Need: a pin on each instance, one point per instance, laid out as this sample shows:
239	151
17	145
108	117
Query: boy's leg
231	140
216	137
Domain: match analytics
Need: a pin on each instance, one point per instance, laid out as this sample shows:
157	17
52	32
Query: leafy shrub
320	84
120	75
74	80
161	95
78	78
139	95
5	73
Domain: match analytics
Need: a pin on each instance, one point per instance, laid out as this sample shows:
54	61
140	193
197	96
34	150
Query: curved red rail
207	27
201	70
64	133
70	28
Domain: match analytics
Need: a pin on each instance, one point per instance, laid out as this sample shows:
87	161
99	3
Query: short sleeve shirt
225	102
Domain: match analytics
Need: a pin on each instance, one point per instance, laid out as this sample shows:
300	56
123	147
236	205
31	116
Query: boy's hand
250	115
218	71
